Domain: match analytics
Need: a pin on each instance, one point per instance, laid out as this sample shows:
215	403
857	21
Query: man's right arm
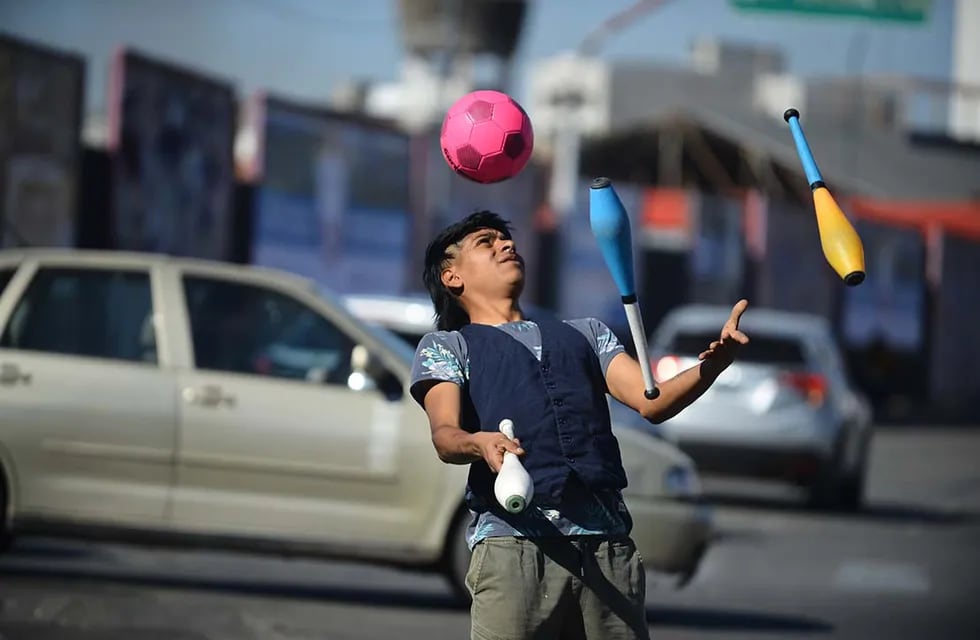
454	445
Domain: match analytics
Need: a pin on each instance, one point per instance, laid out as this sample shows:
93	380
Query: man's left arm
625	381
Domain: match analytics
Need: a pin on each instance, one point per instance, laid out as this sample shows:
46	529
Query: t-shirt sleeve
605	343
439	357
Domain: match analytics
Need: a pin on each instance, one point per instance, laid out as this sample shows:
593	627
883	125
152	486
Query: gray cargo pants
574	588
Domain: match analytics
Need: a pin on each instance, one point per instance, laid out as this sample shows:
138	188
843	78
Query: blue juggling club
611	228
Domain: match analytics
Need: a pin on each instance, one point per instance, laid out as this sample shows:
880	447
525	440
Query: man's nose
507	245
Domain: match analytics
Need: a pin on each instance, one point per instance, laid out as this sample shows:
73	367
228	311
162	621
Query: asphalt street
907	566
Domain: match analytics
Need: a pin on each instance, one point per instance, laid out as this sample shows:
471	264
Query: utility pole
570	102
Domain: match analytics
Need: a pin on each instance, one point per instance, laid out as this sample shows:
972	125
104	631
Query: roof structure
677	129
869	161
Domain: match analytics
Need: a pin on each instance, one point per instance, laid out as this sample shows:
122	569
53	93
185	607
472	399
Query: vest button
559	402
570	459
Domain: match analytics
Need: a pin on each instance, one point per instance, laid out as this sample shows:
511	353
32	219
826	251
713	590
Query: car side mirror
368	373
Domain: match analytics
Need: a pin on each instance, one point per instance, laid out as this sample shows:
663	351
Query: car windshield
408	329
411	338
774	350
393	342
5	276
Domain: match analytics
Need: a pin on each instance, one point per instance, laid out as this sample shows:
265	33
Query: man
566	566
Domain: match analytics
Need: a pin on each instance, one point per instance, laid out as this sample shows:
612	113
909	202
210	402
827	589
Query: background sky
303	49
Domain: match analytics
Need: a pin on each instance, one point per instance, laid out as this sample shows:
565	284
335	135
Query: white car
673	521
174	401
784	410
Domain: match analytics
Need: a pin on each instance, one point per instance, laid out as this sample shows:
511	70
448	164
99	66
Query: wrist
471	445
456	446
711	368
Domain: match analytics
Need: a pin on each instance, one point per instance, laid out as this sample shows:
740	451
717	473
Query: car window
761	349
830	360
98	313
5	276
251	329
411	338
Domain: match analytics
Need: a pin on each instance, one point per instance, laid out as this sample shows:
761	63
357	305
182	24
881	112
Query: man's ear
451	278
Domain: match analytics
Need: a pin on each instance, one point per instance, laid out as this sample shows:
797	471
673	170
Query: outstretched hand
722	351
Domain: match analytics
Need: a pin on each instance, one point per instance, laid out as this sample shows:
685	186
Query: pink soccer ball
486	137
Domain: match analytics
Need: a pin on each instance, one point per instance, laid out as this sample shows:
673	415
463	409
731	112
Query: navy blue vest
558	406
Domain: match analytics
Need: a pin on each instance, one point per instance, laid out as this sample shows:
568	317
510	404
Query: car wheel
823	491
852	485
6	537
456	557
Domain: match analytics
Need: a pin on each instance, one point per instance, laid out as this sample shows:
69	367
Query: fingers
739	337
737	312
497	463
729	339
514	446
707	353
494	451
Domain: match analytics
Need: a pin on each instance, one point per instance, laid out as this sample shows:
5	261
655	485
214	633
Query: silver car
185	402
675	525
784	410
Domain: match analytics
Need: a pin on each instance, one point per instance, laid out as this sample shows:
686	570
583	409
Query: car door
279	437
87	413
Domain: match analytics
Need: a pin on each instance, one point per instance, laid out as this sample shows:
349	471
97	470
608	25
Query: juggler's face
485	262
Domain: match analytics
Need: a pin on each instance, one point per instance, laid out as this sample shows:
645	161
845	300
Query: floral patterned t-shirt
443	356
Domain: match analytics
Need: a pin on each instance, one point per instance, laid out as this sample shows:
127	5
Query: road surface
908	566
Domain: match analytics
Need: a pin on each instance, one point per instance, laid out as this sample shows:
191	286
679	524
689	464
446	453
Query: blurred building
451	47
965	111
724	208
699	153
742	79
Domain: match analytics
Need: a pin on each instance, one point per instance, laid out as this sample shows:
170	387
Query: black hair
450	315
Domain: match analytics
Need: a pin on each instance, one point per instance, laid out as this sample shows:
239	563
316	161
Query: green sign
895	10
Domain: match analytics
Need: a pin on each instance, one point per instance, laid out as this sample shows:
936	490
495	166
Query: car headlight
681	482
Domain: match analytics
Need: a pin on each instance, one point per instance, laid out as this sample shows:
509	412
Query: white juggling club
513	486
